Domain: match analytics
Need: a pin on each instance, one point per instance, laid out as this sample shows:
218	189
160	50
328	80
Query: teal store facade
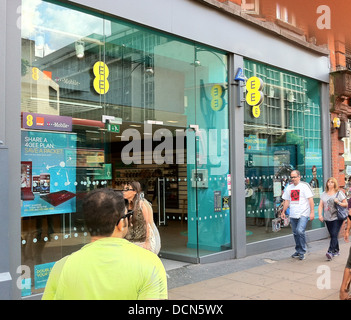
99	94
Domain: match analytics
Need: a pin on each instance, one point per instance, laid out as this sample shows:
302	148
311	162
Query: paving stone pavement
268	276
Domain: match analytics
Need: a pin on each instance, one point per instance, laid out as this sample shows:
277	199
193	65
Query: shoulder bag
342	212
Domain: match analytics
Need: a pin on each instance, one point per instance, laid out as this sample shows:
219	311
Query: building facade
99	94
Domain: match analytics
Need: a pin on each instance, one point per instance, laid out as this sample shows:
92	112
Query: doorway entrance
160	166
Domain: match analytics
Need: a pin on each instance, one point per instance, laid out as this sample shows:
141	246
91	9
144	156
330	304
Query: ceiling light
149	71
79	49
291	97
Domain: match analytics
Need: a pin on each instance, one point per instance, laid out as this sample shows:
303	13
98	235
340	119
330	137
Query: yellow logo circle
101	73
216	94
256	111
254	95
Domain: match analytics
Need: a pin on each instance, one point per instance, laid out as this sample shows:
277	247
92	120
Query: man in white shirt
299	197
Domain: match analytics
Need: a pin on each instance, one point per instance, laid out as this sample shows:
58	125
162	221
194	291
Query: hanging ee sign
217	94
254	95
256	111
101	73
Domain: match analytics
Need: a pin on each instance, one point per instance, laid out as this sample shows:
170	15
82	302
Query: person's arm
285	207
311	202
344	291
348	227
146	216
320	211
342	203
345	285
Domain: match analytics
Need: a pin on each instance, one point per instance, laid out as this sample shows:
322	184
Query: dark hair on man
102	208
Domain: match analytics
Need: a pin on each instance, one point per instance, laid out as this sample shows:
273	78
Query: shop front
128	99
112	104
285	136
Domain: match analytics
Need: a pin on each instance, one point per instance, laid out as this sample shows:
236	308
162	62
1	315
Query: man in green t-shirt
109	267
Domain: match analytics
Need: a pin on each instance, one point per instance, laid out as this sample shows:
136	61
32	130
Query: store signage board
254	95
240	75
48	122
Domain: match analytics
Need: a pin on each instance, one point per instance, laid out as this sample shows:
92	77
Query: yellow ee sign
256	111
254	95
101	73
216	95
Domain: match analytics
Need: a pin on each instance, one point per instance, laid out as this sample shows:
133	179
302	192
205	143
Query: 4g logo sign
254	95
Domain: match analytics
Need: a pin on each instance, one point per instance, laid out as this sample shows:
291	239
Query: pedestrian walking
143	231
110	267
327	213
298	196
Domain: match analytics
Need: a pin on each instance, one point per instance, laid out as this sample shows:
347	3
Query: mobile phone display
26	174
36	184
44	183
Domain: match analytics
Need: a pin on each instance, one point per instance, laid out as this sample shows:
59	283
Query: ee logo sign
254	95
101	73
216	95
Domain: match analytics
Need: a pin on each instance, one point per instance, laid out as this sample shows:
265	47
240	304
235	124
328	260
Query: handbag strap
337	195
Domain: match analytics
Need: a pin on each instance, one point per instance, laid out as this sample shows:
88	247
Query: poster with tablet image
48	172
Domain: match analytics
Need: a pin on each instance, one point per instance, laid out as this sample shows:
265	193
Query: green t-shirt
108	269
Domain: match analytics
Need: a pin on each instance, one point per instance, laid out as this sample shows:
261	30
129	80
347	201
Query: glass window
250	6
110	103
283	14
285	136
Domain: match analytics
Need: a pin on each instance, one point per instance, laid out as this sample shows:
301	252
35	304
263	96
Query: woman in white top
143	231
329	198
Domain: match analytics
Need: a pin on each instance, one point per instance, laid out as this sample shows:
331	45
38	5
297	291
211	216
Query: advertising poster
41	274
48	173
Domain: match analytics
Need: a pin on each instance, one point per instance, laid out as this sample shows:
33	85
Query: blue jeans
334	229
298	228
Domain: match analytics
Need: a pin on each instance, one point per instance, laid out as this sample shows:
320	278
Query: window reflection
286	136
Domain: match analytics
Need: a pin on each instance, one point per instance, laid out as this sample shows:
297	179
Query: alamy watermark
324	20
324	280
203	147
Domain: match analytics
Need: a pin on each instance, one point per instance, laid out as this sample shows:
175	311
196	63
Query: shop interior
47	238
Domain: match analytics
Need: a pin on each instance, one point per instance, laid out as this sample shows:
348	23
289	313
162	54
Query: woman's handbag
342	212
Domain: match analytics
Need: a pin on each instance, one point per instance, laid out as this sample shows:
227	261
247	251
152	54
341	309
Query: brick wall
268	10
